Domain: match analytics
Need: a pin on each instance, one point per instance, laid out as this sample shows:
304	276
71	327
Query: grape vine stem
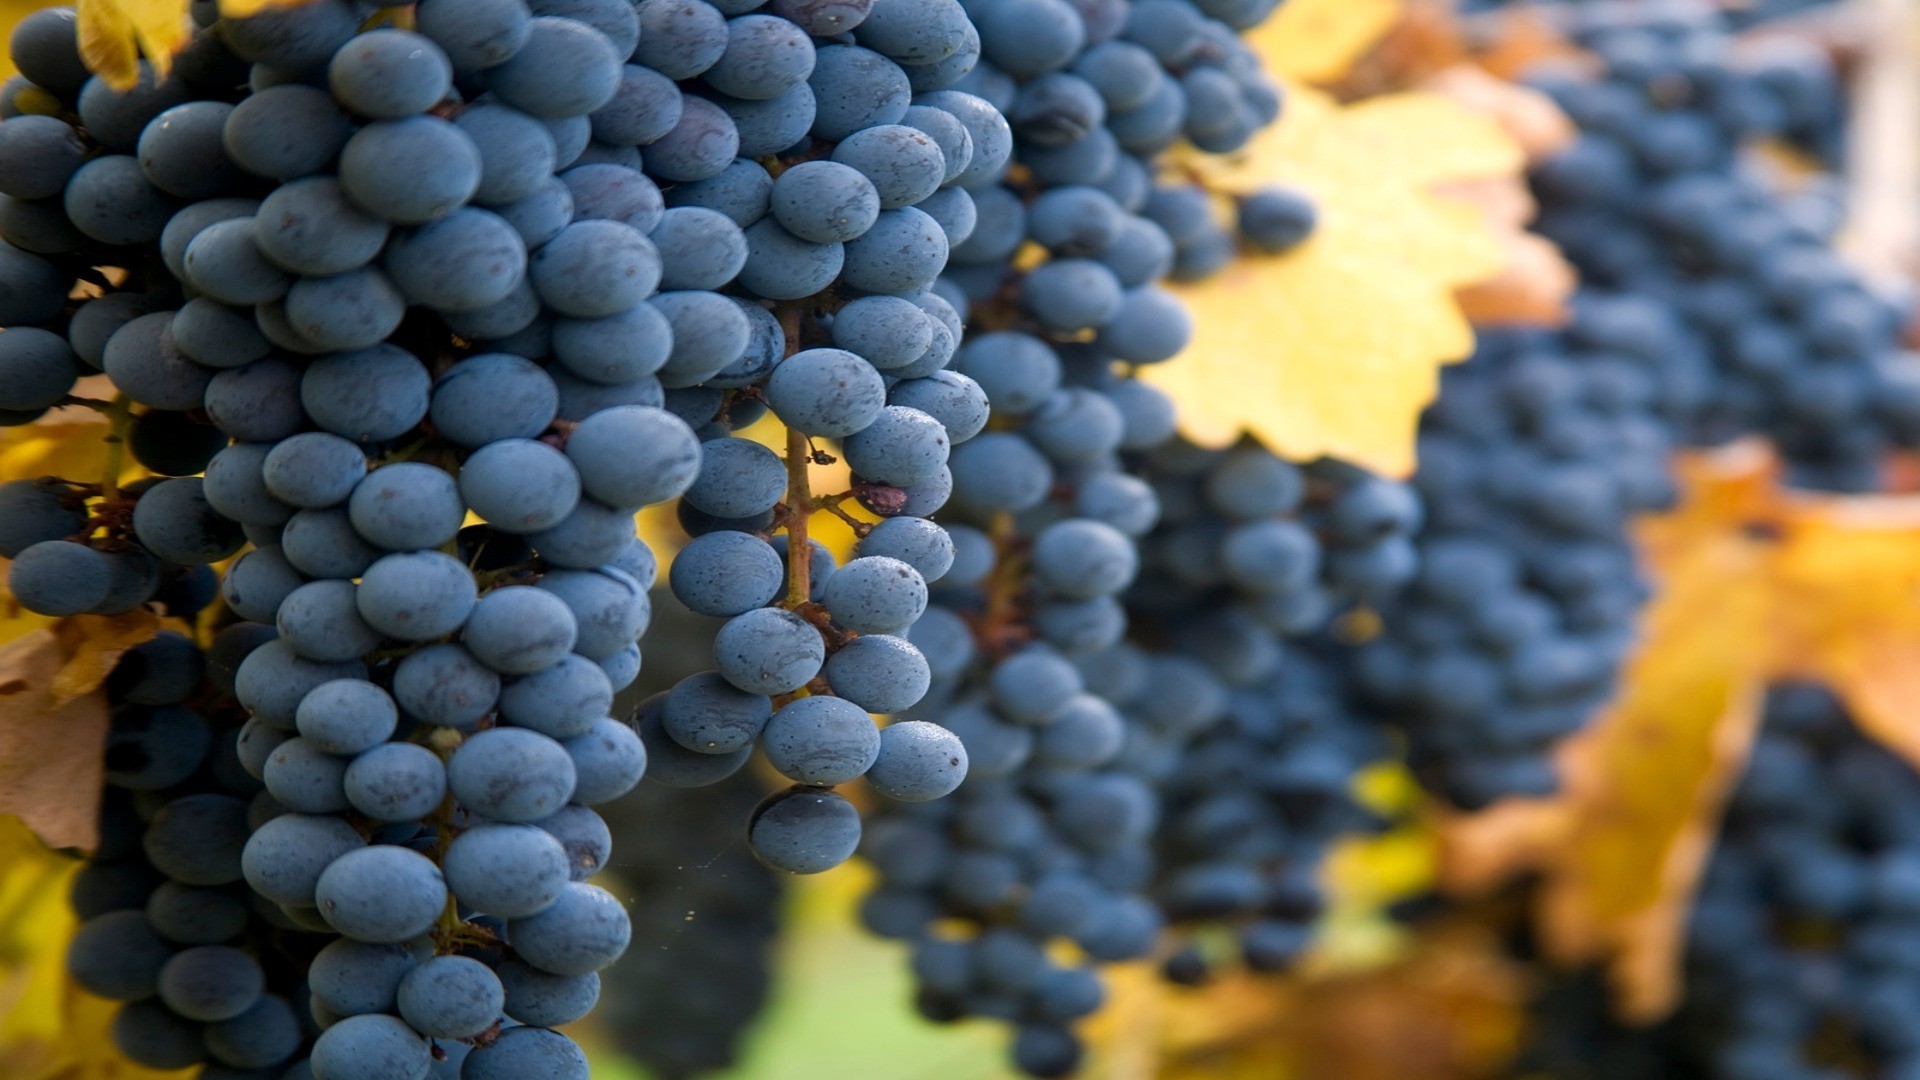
799	485
119	414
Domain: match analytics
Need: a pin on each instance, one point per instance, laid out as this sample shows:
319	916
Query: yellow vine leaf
115	33
1334	348
49	1028
1756	584
1317	41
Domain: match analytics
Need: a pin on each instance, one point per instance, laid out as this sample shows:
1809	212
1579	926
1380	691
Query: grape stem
800	498
998	627
119	414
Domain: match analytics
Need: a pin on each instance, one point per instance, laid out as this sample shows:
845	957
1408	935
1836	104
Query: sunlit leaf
1334	348
114	34
1316	41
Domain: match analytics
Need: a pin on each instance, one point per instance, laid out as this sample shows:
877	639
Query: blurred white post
1884	145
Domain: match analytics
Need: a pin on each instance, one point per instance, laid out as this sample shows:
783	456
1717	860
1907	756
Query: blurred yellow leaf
114	34
1316	41
1756	584
1334	348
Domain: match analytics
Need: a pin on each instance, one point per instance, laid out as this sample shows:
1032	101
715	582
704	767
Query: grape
266	1035
510	774
156	749
32	511
1082	559
310	226
880	673
705	713
110	200
38	369
371	1046
493	396
595	268
445	685
304	779
117	956
738	478
565	68
583	931
901	447
59	577
31	290
1085	733
585	837
635	456
741	191
410	171
804	830
917	542
519	485
354	310
710	333
701	145
381	894
150	1034
608	761
346	716
858	89
395	782
285	132
517	630
701	248
95	321
313	469
611	192
824	202
272	679
782	266
235	486
450	997
645	106
195	916
476	34
999	471
149	368
387	74
1033	686
918	762
541	999
592	535
1276	219
259	402
725	573
876	595
352	978
887	331
527	1051
826	392
560	701
821	740
211	982
943	640
321	622
173	443
322	543
509	871
45	47
407	505
284	857
462	263
617	349
609	608
370	395
768	651
180	150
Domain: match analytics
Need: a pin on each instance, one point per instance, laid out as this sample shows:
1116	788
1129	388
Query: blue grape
149	750
594	269
285	132
370	395
310	226
321	543
41	154
782	266
901	447
190	915
386	74
477	34
609	608
493	396
463	262
804	830
826	392
1083	559
700	146
583	931
518	485
955	400
148	367
1032	687
406	506
542	999
887	331
1276	219
768	651
346	716
592	535
410	171
510	774
711	332
700	248
236	486
605	191
59	577
117	956
617	349
272	679
608	760
635	456
151	1034
35	510
903	251
34	291
38	368
395	782
824	202
585	837
517	630
1000	471
560	701
321	622
539	215
267	1034
257	403
305	779
508	871
527	1051
820	740
371	1046
211	982
705	713
352	978
446	686
918	762
919	543
738	478
858	88
644	107
95	321
284	857
741	191
354	310
565	68
876	595
381	894
450	997
110	200
880	673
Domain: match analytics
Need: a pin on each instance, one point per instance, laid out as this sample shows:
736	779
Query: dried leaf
1531	117
92	645
1316	41
1334	348
51	770
1532	290
114	34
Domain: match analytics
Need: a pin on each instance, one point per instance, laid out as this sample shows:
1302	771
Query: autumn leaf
53	721
1316	41
115	33
1756	584
1334	348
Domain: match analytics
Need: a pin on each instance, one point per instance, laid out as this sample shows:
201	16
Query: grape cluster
1684	248
208	971
1533	460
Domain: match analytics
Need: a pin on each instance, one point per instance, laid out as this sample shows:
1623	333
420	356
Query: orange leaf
92	645
51	770
114	33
